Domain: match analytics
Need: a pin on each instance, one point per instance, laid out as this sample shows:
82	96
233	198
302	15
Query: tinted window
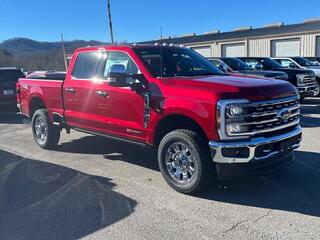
285	63
89	65
10	75
174	61
236	64
302	61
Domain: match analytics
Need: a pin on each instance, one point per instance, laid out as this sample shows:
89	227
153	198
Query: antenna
160	32
64	53
110	22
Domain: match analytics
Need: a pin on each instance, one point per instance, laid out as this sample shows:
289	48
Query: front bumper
256	149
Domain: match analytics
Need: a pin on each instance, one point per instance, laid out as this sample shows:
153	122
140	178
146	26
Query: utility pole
64	53
110	22
160	32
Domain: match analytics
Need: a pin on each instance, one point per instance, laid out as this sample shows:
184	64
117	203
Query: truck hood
231	87
265	73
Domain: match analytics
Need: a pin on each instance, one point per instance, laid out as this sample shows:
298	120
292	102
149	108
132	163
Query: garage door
233	50
285	48
204	51
318	47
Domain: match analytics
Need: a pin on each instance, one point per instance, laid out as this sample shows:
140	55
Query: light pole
110	22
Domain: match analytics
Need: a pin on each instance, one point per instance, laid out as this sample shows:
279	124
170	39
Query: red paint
193	97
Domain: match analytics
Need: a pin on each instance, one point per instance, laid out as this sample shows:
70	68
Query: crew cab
302	63
234	65
202	122
304	80
8	78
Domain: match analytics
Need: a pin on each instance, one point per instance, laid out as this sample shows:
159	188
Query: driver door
125	113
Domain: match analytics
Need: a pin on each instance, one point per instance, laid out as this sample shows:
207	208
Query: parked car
234	66
304	80
201	121
314	60
300	62
8	79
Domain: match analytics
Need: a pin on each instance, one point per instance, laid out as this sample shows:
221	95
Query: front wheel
44	132
184	161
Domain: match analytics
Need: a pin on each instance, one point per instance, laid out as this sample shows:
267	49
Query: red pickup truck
202	122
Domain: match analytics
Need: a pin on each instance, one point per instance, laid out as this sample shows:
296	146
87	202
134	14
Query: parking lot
94	188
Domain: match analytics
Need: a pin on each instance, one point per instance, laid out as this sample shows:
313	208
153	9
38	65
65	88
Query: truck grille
309	80
261	118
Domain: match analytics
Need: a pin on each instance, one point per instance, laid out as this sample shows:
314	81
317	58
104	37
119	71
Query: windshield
175	62
8	76
302	61
270	63
236	64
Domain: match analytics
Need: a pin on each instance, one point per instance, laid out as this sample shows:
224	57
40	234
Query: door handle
69	89
101	93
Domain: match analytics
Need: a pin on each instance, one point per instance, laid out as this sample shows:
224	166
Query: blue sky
137	20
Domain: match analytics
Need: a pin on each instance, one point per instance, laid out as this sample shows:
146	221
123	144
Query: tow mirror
117	76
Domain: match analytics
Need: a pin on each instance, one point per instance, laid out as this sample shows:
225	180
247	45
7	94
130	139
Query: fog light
236	128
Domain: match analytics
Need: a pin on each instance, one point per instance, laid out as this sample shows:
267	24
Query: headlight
234	111
300	79
230	114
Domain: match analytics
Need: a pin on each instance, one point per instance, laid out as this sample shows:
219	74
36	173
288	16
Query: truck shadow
293	189
112	150
40	200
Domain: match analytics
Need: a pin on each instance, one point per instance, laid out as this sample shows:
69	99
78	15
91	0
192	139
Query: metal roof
242	34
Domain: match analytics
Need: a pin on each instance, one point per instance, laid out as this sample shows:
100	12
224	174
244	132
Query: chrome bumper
251	145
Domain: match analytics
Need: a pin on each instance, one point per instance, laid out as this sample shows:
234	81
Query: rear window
10	75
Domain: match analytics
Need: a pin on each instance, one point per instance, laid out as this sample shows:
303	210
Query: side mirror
292	65
223	68
258	66
117	76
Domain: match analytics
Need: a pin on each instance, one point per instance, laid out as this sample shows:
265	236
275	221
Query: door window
120	58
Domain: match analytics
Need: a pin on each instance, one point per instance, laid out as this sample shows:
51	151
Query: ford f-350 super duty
202	122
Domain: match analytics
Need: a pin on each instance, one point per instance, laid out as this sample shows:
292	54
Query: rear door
80	91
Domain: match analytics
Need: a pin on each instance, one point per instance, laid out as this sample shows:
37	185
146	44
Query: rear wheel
44	132
184	161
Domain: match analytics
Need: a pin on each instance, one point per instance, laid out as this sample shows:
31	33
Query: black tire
200	154
52	137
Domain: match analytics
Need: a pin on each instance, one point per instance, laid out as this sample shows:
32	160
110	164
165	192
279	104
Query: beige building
273	40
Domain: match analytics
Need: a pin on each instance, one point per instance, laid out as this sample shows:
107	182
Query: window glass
174	61
285	63
89	65
251	62
120	58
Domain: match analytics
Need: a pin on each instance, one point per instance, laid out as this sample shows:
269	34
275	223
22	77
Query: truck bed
46	90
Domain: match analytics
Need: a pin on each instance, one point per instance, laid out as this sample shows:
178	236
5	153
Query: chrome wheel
180	163
41	130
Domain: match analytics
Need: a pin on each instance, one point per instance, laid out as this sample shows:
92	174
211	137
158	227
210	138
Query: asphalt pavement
94	188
